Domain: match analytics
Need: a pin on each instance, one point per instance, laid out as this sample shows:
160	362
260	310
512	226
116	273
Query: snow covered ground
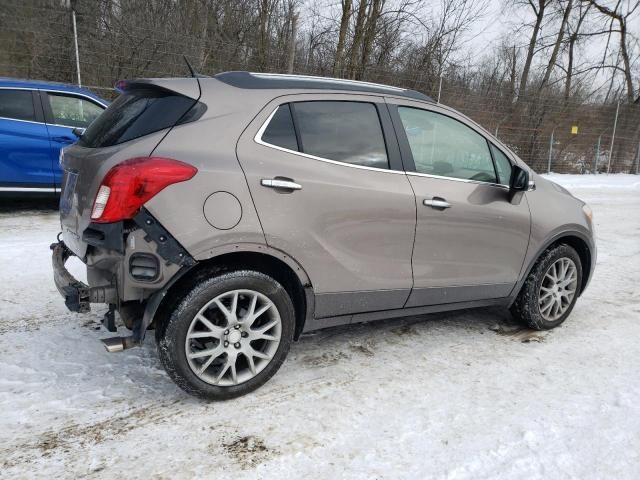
454	396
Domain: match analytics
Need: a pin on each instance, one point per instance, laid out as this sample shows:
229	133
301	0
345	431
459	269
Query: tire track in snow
74	437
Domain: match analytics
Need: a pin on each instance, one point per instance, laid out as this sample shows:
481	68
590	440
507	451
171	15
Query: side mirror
78	131
519	181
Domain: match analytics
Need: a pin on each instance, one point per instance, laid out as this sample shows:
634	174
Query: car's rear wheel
228	335
551	289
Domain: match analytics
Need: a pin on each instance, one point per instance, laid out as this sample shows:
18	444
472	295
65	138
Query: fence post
597	157
550	150
439	89
637	158
613	137
75	40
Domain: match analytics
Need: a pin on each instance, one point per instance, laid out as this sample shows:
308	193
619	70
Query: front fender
556	235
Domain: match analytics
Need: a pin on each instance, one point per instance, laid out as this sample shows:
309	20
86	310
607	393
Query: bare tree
556	47
621	18
538	9
574	35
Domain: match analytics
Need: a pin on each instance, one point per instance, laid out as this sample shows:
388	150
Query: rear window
17	104
136	113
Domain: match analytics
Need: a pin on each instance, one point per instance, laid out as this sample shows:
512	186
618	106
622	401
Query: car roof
251	80
42	85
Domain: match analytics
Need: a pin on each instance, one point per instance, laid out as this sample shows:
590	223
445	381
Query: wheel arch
284	269
579	242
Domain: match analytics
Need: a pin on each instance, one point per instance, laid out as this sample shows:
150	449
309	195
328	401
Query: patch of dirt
405	331
248	451
325	360
364	348
81	436
518	332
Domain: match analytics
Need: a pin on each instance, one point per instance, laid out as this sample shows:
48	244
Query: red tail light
130	184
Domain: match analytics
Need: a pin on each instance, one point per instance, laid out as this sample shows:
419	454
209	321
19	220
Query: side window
503	165
17	104
446	147
280	131
73	111
347	132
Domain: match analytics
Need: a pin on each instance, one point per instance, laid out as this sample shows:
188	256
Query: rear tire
228	335
551	289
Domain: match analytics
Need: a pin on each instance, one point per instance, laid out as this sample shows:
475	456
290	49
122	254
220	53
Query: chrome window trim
465	180
29	189
19	120
17	88
258	139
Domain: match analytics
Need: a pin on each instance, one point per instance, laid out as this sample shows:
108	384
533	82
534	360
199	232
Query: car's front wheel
228	335
551	289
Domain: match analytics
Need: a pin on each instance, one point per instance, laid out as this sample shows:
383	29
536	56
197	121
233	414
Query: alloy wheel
233	337
558	288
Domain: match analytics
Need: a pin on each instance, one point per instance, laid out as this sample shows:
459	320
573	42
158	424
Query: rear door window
72	111
348	132
136	113
280	131
17	104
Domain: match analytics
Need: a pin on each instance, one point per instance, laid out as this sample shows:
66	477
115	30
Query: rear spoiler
188	87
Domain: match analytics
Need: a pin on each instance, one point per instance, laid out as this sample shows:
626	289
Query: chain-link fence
549	132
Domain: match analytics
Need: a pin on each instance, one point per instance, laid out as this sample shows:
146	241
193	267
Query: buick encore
231	214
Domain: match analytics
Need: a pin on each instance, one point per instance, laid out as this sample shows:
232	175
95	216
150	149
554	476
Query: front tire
228	335
551	289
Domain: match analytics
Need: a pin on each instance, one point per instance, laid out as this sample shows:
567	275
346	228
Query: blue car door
25	152
63	112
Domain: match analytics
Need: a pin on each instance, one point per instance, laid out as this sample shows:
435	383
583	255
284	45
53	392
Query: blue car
37	119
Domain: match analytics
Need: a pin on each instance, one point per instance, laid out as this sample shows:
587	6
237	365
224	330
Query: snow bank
618	181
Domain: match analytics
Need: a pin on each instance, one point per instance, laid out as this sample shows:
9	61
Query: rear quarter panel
209	144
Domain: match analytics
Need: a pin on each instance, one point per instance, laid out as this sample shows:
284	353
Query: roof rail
250	80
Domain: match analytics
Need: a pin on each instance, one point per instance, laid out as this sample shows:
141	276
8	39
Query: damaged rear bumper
77	295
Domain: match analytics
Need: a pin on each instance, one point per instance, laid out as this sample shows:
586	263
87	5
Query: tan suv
234	213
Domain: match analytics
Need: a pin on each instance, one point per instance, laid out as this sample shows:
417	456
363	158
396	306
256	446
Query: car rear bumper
78	296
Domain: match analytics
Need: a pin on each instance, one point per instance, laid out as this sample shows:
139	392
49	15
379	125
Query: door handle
280	184
436	202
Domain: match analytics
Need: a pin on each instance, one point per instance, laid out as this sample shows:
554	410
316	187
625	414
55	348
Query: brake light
130	184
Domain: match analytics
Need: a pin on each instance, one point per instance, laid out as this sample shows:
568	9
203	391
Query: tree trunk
625	58
513	75
556	47
532	47
262	40
357	38
292	42
344	26
369	36
567	83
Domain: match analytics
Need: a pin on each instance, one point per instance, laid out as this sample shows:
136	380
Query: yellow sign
574	130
